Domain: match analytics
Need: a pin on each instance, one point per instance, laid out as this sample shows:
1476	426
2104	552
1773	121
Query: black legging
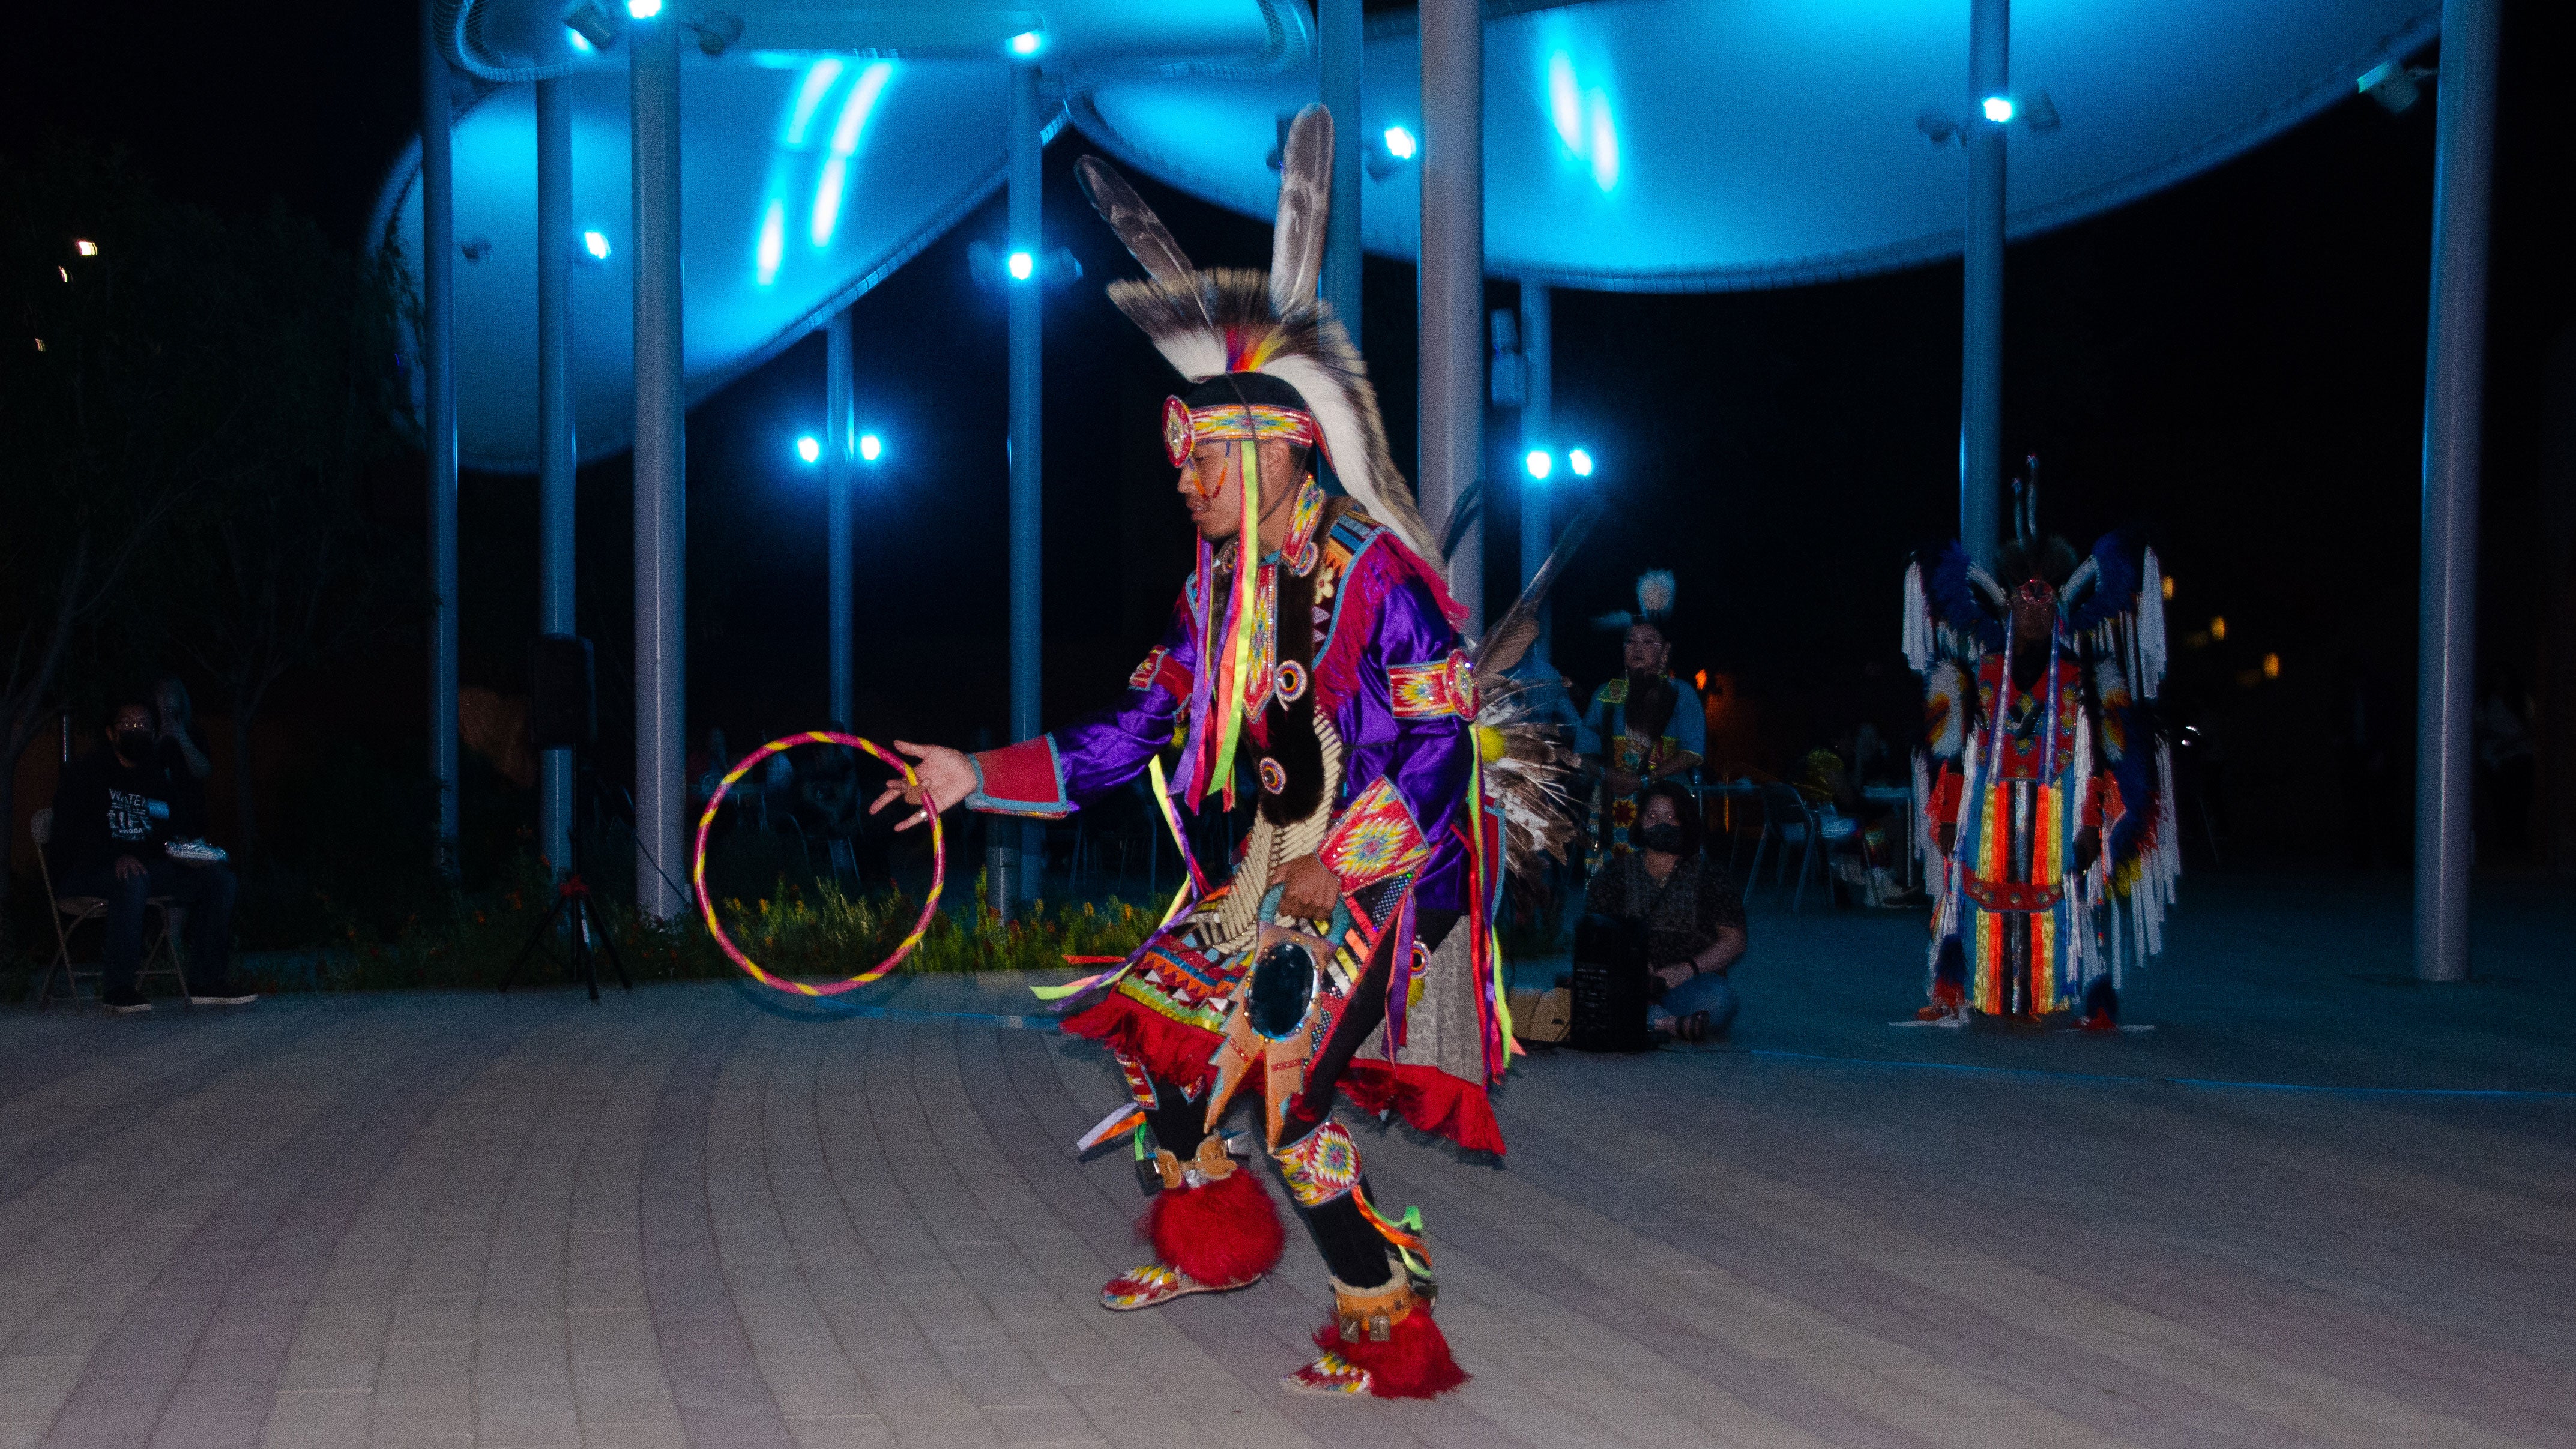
1353	1251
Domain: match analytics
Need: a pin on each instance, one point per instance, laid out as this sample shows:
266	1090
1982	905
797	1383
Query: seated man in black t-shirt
115	812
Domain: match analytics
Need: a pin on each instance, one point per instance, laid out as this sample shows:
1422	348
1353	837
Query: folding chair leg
61	967
1805	858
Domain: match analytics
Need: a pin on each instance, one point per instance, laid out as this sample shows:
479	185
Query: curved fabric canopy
823	149
1659	146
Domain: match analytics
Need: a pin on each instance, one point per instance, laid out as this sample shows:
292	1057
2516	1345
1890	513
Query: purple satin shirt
1387	613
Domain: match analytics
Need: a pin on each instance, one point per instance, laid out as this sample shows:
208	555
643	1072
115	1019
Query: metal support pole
1538	425
438	414
1339	22
1026	236
556	452
840	446
1981	375
1453	282
2454	396
661	666
1538	430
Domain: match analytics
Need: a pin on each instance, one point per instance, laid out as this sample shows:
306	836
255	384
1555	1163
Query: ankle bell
1212	1163
1371	1314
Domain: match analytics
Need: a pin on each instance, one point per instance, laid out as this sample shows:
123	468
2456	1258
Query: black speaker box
1611	987
563	713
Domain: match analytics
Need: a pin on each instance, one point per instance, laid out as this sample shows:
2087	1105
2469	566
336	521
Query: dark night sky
2234	365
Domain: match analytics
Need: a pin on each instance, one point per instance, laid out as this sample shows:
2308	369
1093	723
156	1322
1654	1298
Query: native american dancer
2049	820
1644	725
1351	948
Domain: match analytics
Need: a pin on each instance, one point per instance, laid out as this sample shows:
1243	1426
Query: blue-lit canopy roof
826	146
1655	145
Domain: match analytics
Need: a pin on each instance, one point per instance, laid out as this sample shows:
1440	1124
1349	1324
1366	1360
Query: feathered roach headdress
1654	603
1220	327
1956	609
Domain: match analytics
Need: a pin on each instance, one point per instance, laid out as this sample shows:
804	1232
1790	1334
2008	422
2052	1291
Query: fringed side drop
1918	621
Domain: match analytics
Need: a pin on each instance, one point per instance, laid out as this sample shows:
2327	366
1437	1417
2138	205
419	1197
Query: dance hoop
707	904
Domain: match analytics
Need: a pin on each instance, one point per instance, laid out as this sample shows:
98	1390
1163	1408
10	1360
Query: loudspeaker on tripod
563	712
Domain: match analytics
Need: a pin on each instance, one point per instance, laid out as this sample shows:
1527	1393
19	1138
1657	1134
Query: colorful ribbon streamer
1193	885
706	902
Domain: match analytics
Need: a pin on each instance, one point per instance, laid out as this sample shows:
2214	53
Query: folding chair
70	913
1789	818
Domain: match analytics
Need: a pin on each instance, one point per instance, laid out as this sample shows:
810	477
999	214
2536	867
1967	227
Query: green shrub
818	931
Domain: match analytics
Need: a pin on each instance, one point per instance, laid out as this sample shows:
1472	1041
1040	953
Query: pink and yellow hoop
706	902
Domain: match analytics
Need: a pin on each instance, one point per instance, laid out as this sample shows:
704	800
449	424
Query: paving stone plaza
2316	1205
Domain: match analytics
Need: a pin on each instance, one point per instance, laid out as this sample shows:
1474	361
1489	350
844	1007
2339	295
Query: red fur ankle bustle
1413	1363
1224	1233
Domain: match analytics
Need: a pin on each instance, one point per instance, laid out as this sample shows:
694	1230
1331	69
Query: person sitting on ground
1686	905
115	811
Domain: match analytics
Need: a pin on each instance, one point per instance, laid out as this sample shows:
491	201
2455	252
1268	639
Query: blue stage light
595	243
1023	266
1540	463
1580	461
643	9
773	242
1027	42
1999	109
871	447
580	42
810	448
1399	143
809	98
845	144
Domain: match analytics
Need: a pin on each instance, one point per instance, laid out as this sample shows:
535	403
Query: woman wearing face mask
1687	909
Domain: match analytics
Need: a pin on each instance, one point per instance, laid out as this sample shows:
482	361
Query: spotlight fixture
1998	109
991	268
476	248
643	9
1388	151
810	449
1580	460
716	30
594	245
1540	463
871	447
592	25
2041	115
1937	128
1027	43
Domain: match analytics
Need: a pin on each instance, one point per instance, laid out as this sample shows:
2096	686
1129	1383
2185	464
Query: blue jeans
1709	991
205	891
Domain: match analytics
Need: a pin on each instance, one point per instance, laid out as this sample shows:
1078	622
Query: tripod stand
589	928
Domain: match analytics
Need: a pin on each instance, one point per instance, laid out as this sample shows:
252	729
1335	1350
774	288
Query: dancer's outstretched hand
947	776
